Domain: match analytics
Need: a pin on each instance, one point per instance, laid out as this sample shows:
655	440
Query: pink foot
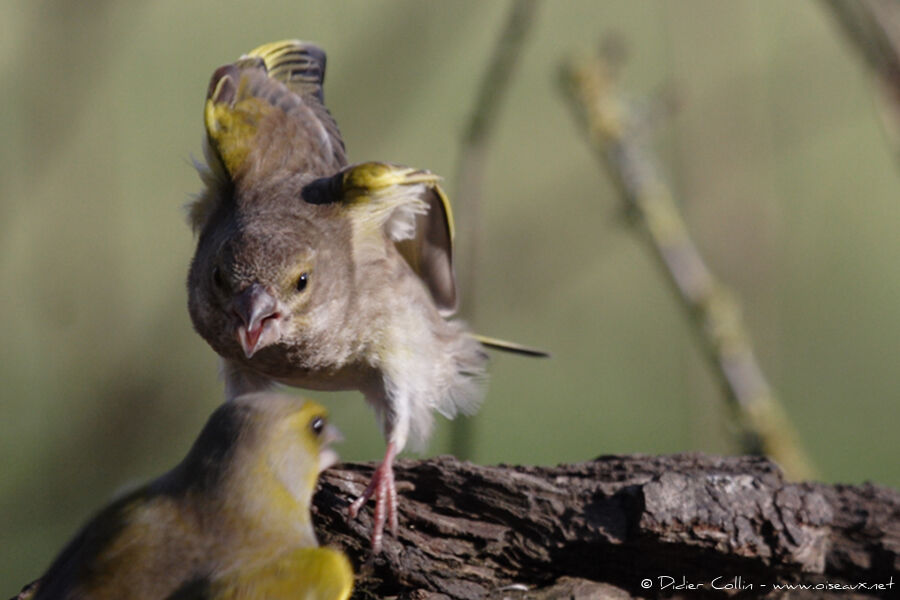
382	488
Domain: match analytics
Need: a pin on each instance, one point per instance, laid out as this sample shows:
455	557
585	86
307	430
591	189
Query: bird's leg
382	488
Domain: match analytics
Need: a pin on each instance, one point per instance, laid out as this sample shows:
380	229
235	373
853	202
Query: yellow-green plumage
233	127
305	574
231	521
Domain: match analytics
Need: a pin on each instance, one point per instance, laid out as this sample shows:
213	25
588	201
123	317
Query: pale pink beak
258	311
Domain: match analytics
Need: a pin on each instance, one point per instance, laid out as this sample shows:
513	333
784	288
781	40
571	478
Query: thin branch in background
873	26
614	129
470	173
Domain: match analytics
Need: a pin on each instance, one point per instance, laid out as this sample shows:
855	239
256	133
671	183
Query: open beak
260	318
327	456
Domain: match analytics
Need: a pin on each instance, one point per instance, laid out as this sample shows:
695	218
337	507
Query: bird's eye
217	278
302	281
317	425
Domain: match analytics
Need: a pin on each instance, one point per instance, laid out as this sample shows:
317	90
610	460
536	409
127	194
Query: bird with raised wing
314	273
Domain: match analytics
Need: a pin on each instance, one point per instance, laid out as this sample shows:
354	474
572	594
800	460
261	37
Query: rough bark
601	528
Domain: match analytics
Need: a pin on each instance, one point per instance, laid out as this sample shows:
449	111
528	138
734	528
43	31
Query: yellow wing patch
232	118
407	206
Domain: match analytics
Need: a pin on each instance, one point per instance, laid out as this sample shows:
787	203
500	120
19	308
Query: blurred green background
789	187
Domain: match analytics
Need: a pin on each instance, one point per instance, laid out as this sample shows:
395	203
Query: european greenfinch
231	521
316	274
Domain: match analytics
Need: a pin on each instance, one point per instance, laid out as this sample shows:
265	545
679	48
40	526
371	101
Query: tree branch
480	125
470	172
614	130
610	527
873	27
598	529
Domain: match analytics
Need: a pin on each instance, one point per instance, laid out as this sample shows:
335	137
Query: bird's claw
382	488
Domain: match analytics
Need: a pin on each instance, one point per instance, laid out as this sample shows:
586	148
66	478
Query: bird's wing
304	574
406	205
300	66
93	559
265	112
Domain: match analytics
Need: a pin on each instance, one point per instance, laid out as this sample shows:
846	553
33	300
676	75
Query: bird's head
261	280
258	458
274	472
294	441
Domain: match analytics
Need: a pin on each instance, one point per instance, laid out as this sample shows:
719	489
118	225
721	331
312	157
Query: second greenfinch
316	274
231	522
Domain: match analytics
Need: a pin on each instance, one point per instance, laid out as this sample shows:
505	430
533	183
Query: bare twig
873	27
470	173
613	130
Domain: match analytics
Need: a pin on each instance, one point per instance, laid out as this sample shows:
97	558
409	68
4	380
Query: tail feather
511	347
